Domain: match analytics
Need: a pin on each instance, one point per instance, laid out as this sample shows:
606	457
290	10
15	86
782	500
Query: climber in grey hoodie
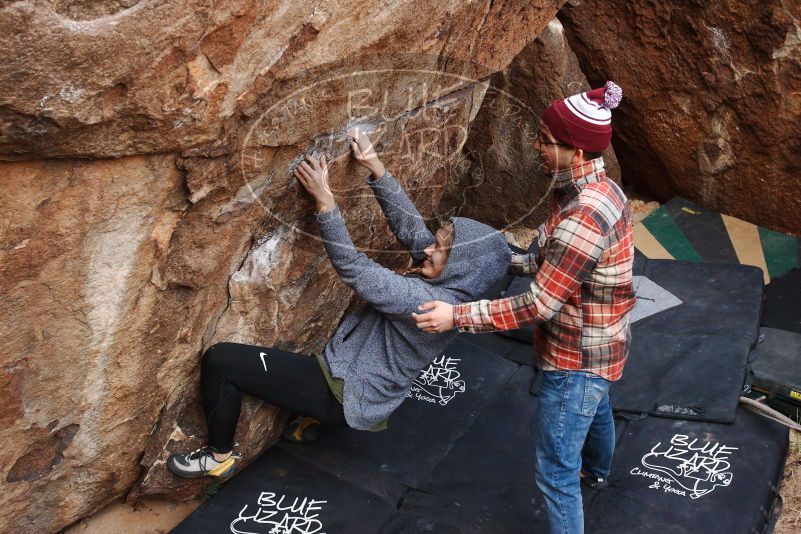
367	367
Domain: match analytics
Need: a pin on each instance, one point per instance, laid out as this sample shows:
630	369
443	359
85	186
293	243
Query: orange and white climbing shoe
201	462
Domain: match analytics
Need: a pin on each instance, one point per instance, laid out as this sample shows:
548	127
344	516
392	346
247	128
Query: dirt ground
790	490
154	516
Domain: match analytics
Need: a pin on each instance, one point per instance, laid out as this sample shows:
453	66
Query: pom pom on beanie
584	120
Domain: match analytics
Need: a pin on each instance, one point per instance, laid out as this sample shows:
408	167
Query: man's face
555	156
437	254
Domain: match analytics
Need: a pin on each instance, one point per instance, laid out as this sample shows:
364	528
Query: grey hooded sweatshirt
378	350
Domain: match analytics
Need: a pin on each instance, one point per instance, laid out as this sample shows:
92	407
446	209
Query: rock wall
712	108
502	183
148	207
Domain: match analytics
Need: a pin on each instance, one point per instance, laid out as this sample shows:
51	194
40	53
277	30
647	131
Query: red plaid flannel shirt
582	290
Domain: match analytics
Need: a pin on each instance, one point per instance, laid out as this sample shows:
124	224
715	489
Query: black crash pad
486	482
406	523
421	430
470	468
672	476
783	303
507	347
691	360
717	299
777	367
281	494
690	377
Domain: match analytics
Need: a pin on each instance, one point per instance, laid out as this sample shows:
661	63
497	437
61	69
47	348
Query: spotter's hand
438	320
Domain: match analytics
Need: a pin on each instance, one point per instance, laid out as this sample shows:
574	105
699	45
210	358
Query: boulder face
129	77
502	183
712	105
170	219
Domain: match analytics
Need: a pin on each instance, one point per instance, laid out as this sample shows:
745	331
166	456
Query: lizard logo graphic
696	466
440	381
280	514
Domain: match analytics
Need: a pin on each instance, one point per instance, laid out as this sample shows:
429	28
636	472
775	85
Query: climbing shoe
201	462
301	429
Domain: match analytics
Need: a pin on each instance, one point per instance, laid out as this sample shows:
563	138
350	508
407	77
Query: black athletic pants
289	380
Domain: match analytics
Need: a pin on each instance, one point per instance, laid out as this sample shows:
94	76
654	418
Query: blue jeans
576	431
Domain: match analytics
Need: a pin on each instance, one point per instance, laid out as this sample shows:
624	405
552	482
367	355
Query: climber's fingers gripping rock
313	176
364	152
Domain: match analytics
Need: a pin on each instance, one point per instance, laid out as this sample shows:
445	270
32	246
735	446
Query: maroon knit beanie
584	120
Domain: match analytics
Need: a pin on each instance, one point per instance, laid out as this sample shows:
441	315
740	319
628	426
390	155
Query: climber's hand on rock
313	175
365	153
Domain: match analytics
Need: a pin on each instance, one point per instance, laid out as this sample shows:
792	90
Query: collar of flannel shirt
575	177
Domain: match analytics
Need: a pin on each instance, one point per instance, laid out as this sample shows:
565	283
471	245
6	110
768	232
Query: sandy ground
154	516
790	519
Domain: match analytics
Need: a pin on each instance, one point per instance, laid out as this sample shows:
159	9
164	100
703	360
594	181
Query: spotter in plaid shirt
582	290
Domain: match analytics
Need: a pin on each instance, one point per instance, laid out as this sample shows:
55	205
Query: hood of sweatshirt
478	259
